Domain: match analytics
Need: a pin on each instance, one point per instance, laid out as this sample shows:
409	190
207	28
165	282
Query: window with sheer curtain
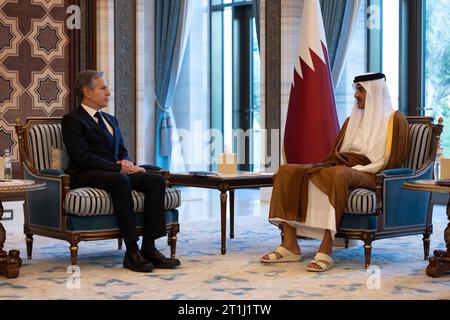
236	80
191	96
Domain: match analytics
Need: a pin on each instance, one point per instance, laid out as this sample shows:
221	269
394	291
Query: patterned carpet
205	274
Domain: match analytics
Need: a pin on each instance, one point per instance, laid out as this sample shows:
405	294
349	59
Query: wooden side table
10	262
225	184
440	263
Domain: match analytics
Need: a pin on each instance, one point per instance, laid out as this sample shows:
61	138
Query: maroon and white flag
312	124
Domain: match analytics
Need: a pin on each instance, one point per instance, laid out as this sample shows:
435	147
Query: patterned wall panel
35	70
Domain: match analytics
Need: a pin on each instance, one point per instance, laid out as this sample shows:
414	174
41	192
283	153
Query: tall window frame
411	63
227	108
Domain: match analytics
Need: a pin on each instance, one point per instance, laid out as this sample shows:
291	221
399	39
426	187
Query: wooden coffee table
440	263
10	262
225	184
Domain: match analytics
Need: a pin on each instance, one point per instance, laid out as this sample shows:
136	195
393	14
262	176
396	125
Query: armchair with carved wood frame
83	214
391	211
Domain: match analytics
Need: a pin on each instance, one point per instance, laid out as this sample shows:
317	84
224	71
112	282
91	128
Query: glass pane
437	65
216	70
216	2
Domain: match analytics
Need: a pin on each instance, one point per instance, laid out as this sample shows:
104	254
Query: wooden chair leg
119	243
426	245
173	246
29	242
74	252
367	252
172	232
169	233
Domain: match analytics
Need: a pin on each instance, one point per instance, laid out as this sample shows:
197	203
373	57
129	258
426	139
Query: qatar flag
312	124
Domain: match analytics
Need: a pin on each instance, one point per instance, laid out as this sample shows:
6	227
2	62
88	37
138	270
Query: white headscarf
372	123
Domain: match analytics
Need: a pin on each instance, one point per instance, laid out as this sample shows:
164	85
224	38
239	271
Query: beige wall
105	45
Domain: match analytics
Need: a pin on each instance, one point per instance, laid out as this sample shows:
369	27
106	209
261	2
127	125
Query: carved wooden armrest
379	182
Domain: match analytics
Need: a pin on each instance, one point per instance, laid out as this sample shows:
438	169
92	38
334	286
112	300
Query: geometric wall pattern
47	38
48	91
10	90
6	138
9	36
34	64
48	4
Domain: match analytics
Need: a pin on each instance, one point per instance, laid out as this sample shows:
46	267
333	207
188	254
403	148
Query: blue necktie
103	126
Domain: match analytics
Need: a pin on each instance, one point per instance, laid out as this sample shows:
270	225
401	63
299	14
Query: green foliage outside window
437	90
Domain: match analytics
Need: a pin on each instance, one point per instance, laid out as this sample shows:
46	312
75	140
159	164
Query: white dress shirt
92	113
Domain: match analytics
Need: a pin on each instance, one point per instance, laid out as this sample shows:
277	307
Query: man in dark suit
99	159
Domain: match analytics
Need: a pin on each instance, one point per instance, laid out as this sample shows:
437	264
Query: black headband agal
369	77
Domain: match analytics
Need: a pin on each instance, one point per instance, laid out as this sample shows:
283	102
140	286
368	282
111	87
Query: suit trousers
120	185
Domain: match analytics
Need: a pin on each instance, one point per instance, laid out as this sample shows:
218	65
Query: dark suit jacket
87	144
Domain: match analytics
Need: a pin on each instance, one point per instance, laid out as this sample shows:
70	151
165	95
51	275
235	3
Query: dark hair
86	79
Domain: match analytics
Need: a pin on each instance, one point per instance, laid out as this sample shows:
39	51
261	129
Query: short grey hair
86	79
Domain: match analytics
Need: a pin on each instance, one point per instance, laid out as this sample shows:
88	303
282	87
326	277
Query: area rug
398	270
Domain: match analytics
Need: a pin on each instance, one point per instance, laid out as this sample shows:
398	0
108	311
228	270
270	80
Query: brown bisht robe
334	177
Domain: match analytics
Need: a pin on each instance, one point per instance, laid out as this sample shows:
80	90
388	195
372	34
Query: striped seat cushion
361	201
97	202
419	146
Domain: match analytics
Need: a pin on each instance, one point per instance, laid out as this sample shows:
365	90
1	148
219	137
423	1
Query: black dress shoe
160	261
134	261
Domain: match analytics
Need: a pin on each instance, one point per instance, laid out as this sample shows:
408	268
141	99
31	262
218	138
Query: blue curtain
339	18
167	28
333	16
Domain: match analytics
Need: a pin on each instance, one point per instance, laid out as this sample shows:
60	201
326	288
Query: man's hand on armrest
126	166
137	169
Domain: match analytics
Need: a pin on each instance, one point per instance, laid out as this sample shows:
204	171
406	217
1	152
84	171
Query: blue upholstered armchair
72	215
391	211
